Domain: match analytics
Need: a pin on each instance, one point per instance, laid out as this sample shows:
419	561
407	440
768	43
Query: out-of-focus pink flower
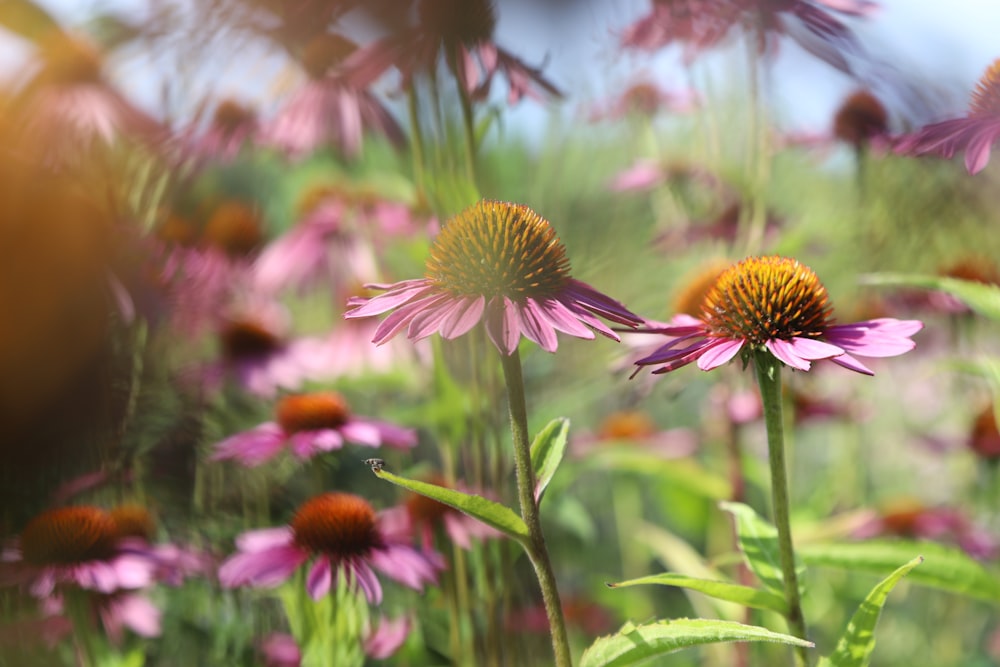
861	120
984	438
778	305
232	126
68	107
697	24
646	99
309	424
281	650
632	427
975	133
75	546
329	109
589	617
346	538
521	286
463	31
914	520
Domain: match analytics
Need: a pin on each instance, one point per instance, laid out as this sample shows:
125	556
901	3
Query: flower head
502	262
860	119
975	133
78	546
309	424
984	438
346	538
778	305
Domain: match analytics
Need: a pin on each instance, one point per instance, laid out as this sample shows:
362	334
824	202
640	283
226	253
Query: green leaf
491	513
635	644
28	20
681	473
982	298
721	590
759	543
858	641
945	568
547	452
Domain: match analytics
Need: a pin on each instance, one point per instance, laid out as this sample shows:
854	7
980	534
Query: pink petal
268	567
319	579
252	447
849	362
463	318
812	349
367	580
387	639
785	352
719	354
536	328
264	538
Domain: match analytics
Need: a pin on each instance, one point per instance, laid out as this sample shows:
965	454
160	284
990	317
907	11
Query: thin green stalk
416	137
536	549
769	379
468	118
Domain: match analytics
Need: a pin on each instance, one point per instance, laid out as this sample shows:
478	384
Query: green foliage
980	297
721	590
758	541
547	451
634	644
858	641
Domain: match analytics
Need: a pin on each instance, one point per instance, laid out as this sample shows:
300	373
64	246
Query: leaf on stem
547	451
634	644
858	641
489	512
946	568
720	590
758	541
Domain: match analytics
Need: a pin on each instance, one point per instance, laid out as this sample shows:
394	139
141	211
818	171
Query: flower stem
769	379
535	547
416	137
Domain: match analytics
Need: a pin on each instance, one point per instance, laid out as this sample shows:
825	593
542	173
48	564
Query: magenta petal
387	638
268	567
139	614
812	349
367	580
563	319
536	328
785	352
463	318
398	294
849	362
405	564
264	538
362	432
319	579
719	353
977	155
252	447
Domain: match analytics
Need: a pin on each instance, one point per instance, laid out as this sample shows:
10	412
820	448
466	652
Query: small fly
376	464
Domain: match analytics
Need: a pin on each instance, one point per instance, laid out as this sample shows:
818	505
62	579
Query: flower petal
268	567
719	353
319	579
784	351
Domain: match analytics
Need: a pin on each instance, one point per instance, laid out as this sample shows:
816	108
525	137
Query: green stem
468	118
416	137
769	379
535	547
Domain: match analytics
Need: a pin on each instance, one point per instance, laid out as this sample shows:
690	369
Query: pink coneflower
778	305
329	109
461	30
974	134
346	538
633	427
698	24
68	107
501	263
912	519
75	546
232	126
281	650
860	120
984	438
309	424
116	611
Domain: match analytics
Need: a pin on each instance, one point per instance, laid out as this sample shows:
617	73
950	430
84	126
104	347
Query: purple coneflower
75	546
646	99
861	120
281	650
329	108
501	263
779	305
309	424
633	427
974	134
232	126
345	536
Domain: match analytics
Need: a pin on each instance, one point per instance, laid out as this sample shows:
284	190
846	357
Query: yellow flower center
986	97
767	298
69	535
498	249
341	525
312	412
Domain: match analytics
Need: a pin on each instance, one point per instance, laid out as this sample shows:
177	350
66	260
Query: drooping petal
719	353
319	579
252	447
268	567
784	351
264	538
850	363
536	328
398	294
365	579
812	349
388	637
463	317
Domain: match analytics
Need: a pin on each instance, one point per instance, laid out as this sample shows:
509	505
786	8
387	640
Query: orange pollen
860	118
696	287
496	249
426	510
340	525
234	228
247	339
986	97
767	298
133	521
627	425
312	412
69	535
323	52
230	116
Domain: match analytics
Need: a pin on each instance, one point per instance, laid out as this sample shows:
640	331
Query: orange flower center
323	52
498	249
312	412
69	535
901	517
458	21
986	97
133	521
175	230
234	228
230	116
767	298
860	118
247	339
627	425
985	438
341	525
